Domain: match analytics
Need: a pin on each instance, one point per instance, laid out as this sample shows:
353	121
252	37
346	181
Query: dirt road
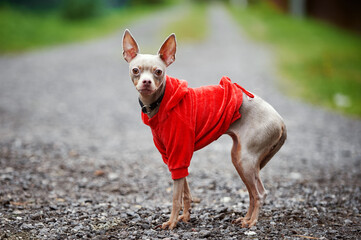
77	162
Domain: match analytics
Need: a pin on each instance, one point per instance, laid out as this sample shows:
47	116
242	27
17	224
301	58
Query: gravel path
76	161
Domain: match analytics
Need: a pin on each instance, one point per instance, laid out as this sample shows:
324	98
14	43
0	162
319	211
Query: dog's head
148	71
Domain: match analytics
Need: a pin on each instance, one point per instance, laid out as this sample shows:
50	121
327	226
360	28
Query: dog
184	120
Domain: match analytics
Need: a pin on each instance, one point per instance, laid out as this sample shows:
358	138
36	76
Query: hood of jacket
175	90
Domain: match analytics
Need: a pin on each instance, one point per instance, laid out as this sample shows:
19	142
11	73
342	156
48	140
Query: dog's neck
150	104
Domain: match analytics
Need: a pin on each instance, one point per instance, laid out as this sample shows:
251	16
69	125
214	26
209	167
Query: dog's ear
168	49
130	46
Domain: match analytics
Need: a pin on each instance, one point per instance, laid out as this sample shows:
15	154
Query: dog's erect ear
168	49
130	46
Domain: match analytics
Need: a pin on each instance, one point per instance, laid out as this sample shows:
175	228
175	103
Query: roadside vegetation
23	29
190	26
317	62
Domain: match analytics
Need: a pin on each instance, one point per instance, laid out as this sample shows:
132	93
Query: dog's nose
147	82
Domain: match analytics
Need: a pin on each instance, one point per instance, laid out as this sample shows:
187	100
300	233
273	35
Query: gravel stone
25	226
205	233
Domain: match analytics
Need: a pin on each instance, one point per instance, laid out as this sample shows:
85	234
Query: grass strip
317	62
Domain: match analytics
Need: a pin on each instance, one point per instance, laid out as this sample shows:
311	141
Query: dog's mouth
145	91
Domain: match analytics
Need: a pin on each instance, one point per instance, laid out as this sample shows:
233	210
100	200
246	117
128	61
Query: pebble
37	216
347	221
250	233
205	233
26	226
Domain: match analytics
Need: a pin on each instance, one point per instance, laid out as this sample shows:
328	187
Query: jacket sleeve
178	140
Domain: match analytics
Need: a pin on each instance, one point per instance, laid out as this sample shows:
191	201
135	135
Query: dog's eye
135	71
158	72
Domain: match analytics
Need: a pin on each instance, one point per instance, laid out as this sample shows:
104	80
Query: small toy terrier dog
184	120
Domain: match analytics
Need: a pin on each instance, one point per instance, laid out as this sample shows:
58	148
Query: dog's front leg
178	188
187	200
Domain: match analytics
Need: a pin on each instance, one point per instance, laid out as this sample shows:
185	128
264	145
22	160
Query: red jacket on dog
188	119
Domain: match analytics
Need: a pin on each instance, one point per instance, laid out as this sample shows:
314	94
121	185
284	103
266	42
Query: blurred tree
298	8
146	2
56	4
82	9
117	3
233	2
346	14
33	4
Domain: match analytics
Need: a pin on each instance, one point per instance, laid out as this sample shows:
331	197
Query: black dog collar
152	106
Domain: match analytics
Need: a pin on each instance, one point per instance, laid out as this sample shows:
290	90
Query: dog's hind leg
257	194
275	148
257	136
249	173
236	160
253	178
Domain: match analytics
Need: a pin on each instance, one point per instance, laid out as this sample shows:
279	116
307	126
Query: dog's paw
185	217
170	225
238	220
250	223
244	222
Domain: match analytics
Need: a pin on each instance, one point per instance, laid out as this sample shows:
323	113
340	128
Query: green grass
191	26
317	61
25	30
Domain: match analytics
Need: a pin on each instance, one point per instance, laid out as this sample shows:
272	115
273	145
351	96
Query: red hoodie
188	119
